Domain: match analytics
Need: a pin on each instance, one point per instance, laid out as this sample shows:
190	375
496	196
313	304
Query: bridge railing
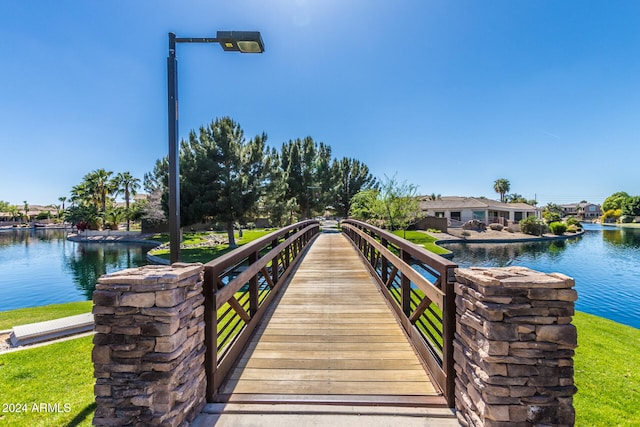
238	288
419	285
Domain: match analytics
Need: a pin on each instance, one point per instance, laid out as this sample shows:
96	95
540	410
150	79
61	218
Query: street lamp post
230	41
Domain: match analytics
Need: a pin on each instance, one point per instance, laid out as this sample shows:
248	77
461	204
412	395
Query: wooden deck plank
332	333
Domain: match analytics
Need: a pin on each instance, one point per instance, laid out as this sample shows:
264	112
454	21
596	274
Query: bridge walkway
329	351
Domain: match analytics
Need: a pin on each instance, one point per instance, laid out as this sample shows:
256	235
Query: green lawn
607	373
53	385
205	253
422	239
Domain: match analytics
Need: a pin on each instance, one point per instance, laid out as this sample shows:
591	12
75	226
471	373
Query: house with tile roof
462	209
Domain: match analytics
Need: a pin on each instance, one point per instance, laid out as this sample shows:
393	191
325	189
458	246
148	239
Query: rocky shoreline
456	235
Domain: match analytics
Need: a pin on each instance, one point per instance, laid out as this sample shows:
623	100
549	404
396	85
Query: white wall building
463	209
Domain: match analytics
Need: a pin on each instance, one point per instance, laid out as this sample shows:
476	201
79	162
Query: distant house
463	209
585	210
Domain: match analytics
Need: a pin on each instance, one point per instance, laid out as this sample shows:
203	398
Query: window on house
456	215
439	214
479	215
517	216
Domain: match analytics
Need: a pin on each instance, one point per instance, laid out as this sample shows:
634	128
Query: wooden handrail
413	297
231	313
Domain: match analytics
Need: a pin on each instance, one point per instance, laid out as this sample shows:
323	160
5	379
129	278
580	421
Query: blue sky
450	95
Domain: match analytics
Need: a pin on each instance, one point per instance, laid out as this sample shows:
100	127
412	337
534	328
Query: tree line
93	201
228	179
620	207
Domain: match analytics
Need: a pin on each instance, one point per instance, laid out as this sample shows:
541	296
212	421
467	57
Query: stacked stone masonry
514	348
148	351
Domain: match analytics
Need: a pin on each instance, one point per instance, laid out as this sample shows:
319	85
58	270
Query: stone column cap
152	274
514	277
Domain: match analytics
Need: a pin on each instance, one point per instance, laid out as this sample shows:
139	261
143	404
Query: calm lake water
605	263
39	267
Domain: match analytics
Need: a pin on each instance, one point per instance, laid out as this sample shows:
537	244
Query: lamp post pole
230	41
174	164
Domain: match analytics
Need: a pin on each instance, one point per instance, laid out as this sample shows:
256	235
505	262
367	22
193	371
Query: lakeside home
463	209
585	210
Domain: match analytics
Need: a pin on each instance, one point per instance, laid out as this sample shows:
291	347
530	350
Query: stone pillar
148	353
514	347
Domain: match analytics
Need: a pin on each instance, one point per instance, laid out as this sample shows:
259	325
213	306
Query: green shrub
557	228
611	216
572	228
550	217
573	221
532	225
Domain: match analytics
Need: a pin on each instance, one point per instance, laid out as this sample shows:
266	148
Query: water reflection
503	254
626	237
91	260
39	267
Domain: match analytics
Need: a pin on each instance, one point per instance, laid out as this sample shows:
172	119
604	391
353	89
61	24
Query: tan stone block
101	354
133	299
105	298
567	295
492	347
561	334
102	390
171	343
500	331
103	329
497	412
170	298
142	400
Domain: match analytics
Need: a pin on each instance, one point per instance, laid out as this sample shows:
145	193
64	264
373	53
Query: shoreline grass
23	316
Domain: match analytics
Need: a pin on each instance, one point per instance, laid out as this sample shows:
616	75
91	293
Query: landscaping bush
557	228
573	221
532	225
550	217
572	228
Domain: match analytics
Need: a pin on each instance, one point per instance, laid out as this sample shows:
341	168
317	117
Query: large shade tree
351	177
221	174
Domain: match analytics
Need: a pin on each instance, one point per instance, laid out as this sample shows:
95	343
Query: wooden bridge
357	324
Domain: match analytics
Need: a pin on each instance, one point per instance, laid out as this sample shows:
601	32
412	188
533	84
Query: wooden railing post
287	253
405	286
253	287
275	264
210	332
384	269
448	335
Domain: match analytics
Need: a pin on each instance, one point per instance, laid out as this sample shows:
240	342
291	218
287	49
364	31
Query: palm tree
62	200
26	209
129	185
502	187
100	186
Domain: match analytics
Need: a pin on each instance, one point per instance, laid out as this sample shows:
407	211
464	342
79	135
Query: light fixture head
241	41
